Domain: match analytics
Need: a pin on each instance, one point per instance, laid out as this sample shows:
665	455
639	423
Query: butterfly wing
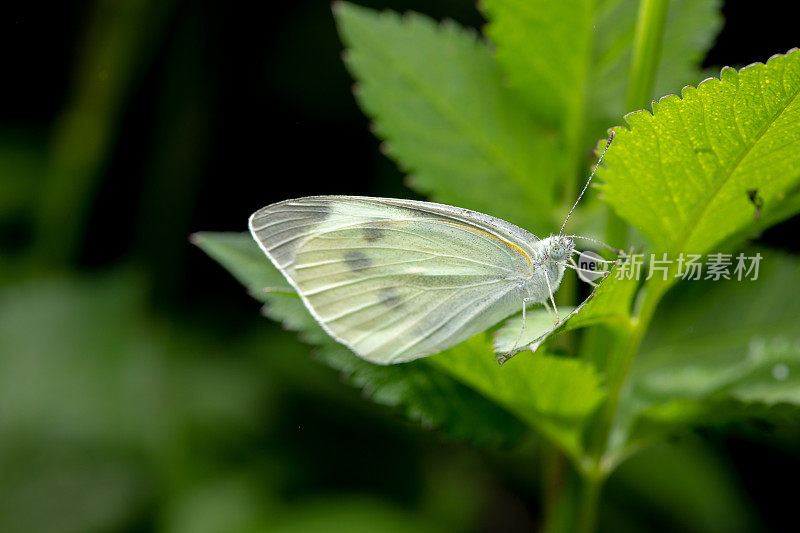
395	280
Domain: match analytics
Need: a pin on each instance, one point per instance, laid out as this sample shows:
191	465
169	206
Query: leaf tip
729	73
447	23
792	51
638	116
342	10
688	90
665	98
709	80
771	58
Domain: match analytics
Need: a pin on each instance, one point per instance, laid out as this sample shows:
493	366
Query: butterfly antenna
601	243
608	143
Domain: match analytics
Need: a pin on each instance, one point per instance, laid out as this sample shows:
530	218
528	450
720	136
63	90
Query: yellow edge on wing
482	232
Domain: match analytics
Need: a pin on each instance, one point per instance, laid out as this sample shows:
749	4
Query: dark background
230	106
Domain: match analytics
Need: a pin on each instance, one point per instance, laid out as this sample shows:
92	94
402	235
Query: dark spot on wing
356	260
389	297
372	234
440	281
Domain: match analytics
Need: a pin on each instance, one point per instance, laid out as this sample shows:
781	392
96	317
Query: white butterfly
395	280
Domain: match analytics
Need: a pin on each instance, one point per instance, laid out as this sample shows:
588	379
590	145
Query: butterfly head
560	248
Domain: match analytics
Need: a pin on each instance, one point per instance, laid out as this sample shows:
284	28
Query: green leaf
421	391
555	395
682	485
714	347
682	174
543	47
552	394
571	59
609	303
240	255
430	396
437	98
510	338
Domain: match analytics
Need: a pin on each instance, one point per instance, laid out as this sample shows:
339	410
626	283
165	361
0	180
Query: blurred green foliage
677	175
138	393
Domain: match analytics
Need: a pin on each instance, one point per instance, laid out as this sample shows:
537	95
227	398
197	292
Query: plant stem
120	40
554	472
575	123
646	52
650	26
620	363
646	56
588	502
574	131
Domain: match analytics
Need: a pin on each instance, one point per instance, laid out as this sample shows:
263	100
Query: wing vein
442	323
389	309
282	221
334	261
444	256
369	278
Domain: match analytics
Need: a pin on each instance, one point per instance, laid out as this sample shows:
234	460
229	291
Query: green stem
555	469
646	57
646	51
588	502
575	123
120	39
620	364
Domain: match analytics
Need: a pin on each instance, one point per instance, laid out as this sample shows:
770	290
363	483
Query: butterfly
395	280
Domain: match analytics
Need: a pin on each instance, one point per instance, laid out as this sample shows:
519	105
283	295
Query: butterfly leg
502	358
552	300
579	269
525	302
549	310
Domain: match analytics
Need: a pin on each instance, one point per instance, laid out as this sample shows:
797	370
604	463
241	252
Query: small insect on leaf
395	280
757	201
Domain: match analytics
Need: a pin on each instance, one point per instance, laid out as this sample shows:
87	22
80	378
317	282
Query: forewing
392	282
